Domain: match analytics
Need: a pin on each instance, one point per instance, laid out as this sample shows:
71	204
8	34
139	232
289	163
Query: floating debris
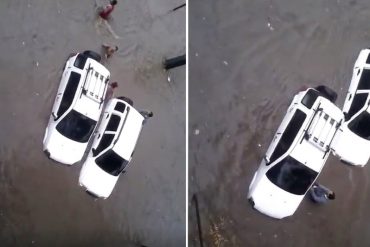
226	63
275	235
196	132
196	54
270	26
259	145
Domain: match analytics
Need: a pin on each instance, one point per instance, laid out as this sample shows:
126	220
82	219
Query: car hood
96	180
273	201
350	147
64	150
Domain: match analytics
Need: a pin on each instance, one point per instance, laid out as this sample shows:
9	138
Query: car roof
308	151
129	129
92	89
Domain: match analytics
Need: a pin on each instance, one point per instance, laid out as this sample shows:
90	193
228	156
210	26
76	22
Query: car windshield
111	162
292	176
76	126
360	125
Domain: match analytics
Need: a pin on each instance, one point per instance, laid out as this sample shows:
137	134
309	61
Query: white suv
112	148
77	108
356	127
296	155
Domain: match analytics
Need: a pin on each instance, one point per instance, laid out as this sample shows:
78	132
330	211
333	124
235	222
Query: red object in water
106	11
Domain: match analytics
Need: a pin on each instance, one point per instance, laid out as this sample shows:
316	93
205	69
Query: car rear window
111	163
358	102
80	61
364	82
310	98
292	176
120	107
289	135
69	93
361	125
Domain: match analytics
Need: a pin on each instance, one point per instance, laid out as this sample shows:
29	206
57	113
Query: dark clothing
319	194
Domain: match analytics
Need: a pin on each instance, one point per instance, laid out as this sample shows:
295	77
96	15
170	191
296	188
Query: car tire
127	100
92	55
327	92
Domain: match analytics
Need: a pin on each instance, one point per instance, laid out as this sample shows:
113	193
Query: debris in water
204	18
37	94
275	235
196	132
260	233
259	145
270	26
23	43
226	63
196	54
37	64
168	78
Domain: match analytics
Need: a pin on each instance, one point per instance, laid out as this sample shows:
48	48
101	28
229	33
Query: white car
356	127
77	108
112	148
296	155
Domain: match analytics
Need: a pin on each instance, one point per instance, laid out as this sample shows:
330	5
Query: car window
360	125
289	135
76	126
80	61
111	163
105	142
113	123
69	93
120	107
364	82
292	176
358	102
310	98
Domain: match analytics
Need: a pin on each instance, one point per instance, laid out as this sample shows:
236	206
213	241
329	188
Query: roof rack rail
94	86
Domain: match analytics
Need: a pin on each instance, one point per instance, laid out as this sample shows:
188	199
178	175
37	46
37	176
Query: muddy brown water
247	60
41	203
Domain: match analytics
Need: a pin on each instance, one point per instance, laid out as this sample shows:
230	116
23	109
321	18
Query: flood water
247	60
41	203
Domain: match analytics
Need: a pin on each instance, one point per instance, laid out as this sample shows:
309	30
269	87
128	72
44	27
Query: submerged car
297	154
356	127
112	148
77	108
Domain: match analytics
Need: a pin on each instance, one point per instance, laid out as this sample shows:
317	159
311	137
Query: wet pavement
247	60
41	202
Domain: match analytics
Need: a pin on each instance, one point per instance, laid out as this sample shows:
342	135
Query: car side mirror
54	116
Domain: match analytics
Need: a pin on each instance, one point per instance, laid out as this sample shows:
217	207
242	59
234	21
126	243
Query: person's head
116	48
114	84
113	2
331	196
150	114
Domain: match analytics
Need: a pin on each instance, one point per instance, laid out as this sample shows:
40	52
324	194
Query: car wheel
327	92
127	100
92	55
